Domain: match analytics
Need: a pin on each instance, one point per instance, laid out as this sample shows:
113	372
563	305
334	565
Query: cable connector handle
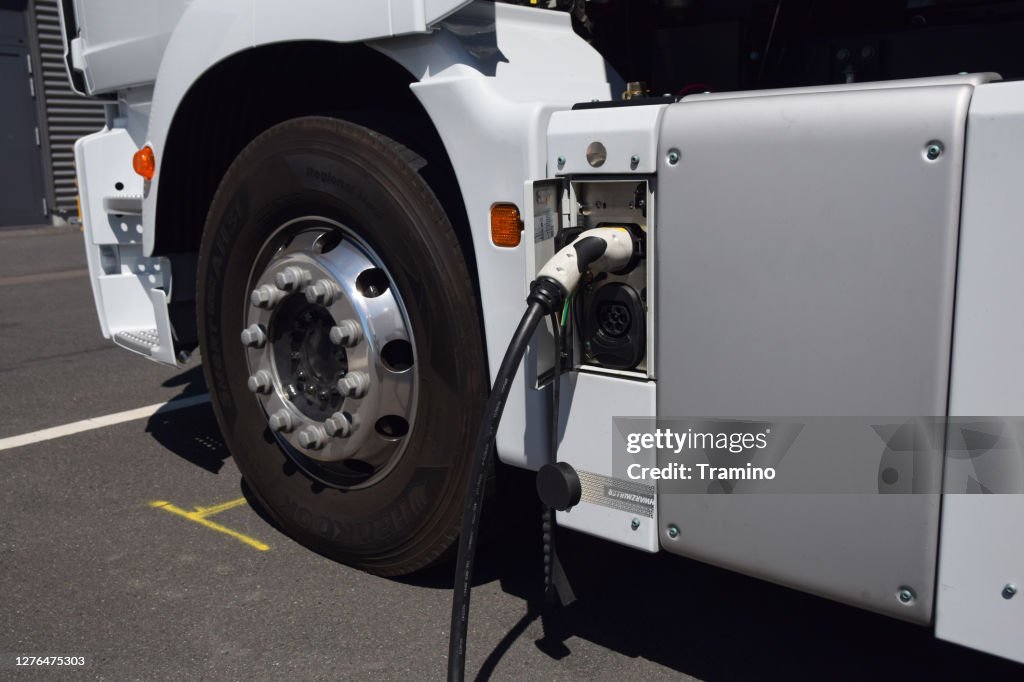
606	249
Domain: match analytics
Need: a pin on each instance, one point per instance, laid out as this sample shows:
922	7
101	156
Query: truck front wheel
341	343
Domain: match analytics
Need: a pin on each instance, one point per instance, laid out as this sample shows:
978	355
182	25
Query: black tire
332	168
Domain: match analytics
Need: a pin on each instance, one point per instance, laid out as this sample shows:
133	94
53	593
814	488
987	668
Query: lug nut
266	296
312	437
260	381
282	420
322	292
347	333
354	384
254	336
293	278
338	425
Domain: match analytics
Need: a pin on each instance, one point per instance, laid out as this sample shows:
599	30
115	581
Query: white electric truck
342	205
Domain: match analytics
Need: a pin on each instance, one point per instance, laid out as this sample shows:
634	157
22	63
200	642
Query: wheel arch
249	92
489	77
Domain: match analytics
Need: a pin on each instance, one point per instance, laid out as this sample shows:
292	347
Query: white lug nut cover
293	278
282	420
354	384
322	291
338	425
266	296
254	336
312	437
260	381
346	333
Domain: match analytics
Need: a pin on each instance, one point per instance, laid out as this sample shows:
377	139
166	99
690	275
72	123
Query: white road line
100	422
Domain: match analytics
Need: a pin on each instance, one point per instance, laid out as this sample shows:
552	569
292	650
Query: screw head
292	278
260	382
933	151
561	162
312	437
266	296
346	333
282	420
253	336
338	425
906	595
1009	591
673	531
672	157
634	524
634	161
354	384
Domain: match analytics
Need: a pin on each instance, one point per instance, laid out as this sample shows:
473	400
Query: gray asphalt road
89	567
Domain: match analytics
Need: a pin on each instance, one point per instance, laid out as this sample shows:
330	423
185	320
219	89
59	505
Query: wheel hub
308	364
330	353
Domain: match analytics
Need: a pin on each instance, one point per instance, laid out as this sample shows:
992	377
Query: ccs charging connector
608	249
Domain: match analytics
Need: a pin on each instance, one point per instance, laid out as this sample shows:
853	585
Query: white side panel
981	554
588	404
988	362
981	547
628	134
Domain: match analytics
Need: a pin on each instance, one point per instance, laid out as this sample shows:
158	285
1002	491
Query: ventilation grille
69	115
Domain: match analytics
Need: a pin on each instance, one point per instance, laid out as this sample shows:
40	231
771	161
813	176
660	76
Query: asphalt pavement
134	546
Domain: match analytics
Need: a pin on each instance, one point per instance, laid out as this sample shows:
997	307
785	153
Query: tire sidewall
346	173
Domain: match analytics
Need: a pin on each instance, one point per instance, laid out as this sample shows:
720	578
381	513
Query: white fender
491	112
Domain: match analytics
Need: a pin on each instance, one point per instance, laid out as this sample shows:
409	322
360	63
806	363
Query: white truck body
483	74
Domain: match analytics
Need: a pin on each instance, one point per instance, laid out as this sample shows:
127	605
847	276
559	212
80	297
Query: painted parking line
201	514
100	422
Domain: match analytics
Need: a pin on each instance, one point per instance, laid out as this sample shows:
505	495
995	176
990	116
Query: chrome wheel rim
330	352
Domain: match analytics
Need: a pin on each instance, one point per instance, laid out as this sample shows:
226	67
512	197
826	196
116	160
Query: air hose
603	249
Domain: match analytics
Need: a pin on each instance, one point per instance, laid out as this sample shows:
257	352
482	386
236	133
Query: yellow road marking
218	508
200	514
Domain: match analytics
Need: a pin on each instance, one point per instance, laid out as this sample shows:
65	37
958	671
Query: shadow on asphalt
191	433
191	379
693	618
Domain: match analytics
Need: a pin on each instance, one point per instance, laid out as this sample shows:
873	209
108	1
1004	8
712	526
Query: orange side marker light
144	162
506	225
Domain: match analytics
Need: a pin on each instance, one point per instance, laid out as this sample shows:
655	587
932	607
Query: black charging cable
605	248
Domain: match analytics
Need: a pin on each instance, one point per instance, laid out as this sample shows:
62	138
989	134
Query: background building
40	117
